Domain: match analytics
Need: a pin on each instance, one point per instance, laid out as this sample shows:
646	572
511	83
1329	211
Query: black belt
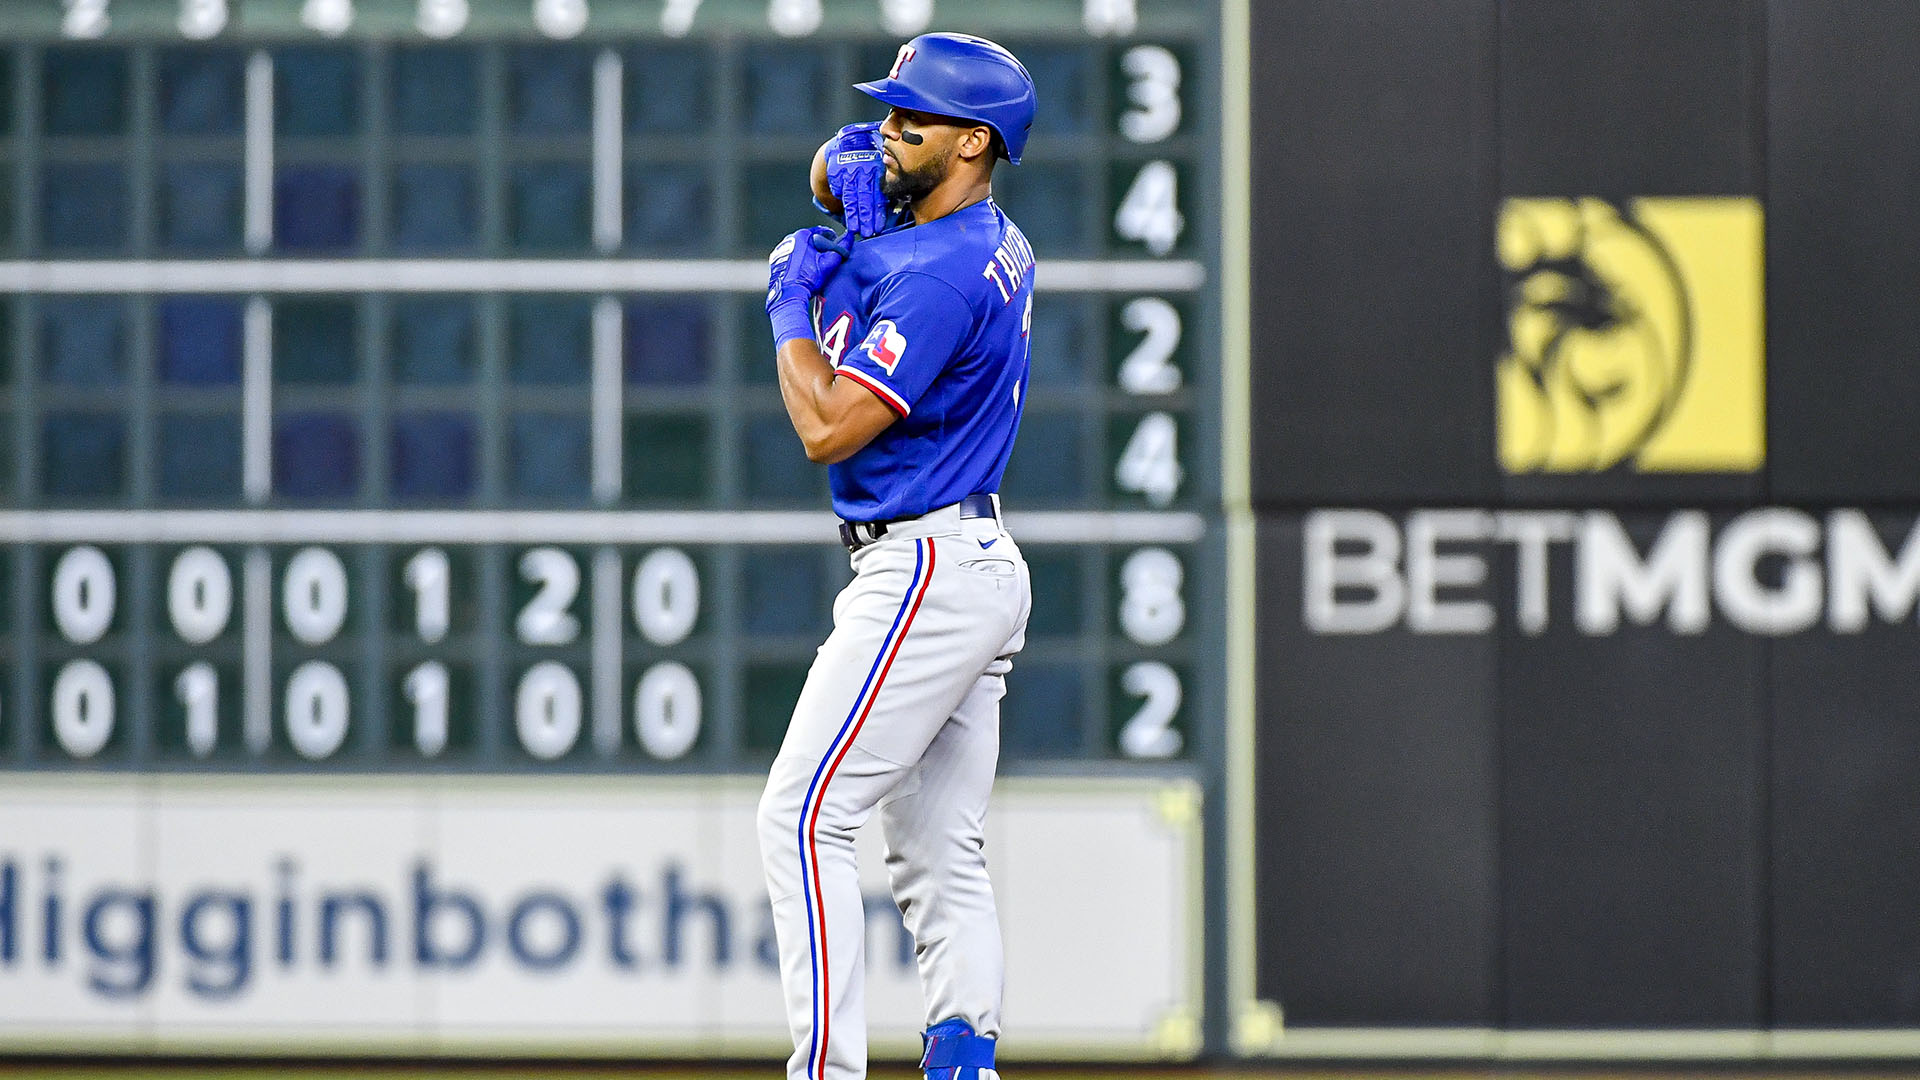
858	534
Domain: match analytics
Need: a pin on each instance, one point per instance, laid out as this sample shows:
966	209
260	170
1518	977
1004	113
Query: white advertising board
543	916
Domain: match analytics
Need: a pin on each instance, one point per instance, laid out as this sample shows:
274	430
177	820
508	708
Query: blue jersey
934	320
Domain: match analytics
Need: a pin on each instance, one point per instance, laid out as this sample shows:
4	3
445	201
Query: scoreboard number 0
546	710
314	596
83	708
316	709
83	595
199	595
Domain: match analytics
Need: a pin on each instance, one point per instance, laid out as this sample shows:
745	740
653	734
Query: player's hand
796	270
855	171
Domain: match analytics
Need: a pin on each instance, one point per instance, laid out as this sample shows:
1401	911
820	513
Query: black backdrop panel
1843	248
1631	816
1375	874
1630	97
1846	824
1373	302
1643	829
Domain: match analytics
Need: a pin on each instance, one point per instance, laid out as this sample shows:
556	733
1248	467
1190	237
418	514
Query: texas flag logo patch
886	345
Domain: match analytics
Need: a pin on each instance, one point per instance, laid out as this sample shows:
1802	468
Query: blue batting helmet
963	76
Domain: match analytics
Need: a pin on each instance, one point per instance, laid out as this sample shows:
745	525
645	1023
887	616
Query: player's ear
977	143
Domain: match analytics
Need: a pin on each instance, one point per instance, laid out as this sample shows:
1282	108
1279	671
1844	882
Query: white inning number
1150	464
82	708
441	18
1153	94
1150	733
545	620
905	18
329	17
83	595
314	595
84	19
198	689
430	578
426	688
199	595
560	19
546	710
676	19
1150	211
1149	368
316	709
1109	18
202	19
1151	611
666	710
794	18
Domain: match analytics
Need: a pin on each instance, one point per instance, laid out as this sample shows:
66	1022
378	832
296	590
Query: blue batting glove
855	171
796	271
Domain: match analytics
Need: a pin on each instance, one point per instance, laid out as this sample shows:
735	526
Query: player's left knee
781	801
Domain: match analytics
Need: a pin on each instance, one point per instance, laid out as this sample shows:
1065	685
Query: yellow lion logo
1599	335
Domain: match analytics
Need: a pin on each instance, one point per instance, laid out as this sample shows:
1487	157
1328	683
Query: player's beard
908	186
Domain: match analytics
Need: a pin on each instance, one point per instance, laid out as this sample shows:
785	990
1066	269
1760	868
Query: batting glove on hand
855	171
796	270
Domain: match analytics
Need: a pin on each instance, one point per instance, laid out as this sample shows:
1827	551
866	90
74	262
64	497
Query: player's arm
833	417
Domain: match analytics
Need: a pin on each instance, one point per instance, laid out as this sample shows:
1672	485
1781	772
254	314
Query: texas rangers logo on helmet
886	345
900	60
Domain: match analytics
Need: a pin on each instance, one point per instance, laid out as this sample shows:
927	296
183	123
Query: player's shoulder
956	250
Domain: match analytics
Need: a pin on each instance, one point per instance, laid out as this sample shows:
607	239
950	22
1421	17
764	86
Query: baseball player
902	354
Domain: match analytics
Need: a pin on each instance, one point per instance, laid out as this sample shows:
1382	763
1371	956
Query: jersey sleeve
918	323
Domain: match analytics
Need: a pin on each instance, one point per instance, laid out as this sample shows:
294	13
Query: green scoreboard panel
384	384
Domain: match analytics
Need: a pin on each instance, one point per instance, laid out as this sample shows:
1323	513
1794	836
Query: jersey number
834	341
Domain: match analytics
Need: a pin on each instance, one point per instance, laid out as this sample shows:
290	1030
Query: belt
858	534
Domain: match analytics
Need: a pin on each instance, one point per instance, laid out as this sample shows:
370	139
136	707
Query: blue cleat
954	1052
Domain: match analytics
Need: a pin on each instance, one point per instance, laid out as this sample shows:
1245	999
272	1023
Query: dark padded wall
1636	829
1631	814
1377	888
1843	239
1373	177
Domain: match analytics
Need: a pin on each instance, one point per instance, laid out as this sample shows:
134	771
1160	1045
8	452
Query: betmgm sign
1768	571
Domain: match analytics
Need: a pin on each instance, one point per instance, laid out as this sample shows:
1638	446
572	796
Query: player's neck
953	196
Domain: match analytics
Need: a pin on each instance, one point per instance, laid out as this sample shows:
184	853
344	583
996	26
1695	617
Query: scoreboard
384	384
